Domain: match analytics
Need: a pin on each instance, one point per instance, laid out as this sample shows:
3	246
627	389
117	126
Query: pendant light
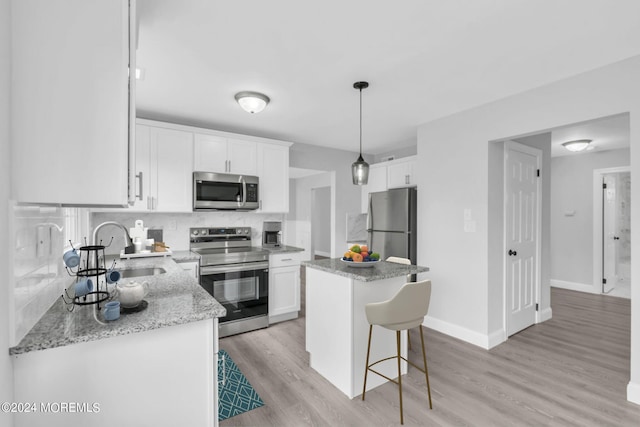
360	168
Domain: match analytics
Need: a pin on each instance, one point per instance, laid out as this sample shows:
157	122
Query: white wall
321	221
347	196
572	191
457	147
6	367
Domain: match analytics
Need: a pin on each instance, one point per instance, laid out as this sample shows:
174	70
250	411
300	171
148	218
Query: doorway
612	231
320	222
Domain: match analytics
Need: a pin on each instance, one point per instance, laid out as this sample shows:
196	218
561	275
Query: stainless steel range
234	273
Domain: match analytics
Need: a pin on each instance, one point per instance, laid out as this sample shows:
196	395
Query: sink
138	272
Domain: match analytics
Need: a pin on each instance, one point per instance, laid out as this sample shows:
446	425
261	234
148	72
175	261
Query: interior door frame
538	153
598	250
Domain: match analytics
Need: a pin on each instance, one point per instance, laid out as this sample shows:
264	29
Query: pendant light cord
360	122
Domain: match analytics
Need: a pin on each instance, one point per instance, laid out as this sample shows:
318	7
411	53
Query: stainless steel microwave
224	191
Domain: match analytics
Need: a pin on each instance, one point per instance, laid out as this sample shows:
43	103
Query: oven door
243	289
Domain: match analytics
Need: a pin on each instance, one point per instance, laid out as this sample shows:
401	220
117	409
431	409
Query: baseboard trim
459	332
323	253
544	315
573	286
633	392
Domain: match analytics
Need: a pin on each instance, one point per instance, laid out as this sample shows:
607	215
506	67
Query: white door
609	229
522	235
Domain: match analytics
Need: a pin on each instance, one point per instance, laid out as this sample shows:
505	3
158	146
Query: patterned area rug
235	394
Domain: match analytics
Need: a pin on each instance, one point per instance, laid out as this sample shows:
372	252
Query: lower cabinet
284	286
162	377
192	267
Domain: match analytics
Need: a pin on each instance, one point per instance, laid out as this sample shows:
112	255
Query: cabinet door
191	267
69	126
377	182
171	181
284	291
274	177
400	175
210	153
242	157
142	169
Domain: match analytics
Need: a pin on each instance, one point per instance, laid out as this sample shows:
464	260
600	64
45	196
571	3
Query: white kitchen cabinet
72	101
284	286
273	171
164	166
192	267
160	377
400	173
377	182
214	153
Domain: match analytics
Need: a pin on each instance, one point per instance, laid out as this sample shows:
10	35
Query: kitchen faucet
117	224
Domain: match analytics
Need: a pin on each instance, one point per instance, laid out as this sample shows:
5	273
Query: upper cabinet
224	155
392	174
377	182
400	173
167	155
273	171
72	101
164	159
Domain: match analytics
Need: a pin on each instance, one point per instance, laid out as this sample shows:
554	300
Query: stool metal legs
398	357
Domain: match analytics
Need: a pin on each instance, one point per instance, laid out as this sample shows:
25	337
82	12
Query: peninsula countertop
379	271
174	298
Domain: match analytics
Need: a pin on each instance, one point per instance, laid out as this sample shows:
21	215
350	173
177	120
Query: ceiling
608	133
424	59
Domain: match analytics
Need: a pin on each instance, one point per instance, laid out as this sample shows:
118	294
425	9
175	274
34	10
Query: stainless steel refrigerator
391	223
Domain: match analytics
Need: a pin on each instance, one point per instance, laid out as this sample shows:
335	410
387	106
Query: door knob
512	253
616	238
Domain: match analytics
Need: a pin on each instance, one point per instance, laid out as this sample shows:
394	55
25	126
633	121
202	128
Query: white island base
337	329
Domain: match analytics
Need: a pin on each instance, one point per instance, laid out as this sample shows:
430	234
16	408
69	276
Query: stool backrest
405	310
399	260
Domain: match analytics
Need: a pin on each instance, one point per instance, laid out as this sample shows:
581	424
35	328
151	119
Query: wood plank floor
569	371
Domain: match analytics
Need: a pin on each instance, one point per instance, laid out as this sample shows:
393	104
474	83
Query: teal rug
235	394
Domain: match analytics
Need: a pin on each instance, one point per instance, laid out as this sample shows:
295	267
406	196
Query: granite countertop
174	298
283	249
381	270
185	256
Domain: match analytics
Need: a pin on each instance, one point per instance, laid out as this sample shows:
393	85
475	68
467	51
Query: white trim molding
464	334
633	392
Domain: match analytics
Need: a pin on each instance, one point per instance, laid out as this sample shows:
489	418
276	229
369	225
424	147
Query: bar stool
404	311
405	261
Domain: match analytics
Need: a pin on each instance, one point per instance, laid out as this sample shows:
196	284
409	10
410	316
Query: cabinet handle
139	176
149	202
406	179
227	165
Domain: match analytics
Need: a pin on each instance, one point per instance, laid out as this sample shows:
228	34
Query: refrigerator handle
370	216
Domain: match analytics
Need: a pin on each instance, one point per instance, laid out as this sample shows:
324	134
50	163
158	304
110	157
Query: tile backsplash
175	226
39	276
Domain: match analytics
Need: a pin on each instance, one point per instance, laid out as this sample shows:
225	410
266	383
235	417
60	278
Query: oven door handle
234	268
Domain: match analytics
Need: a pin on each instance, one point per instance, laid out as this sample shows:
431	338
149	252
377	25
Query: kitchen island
152	367
336	324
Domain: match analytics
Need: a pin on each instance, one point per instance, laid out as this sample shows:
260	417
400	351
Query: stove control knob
195	232
203	232
238	230
246	231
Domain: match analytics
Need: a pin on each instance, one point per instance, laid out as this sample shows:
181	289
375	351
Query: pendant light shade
360	168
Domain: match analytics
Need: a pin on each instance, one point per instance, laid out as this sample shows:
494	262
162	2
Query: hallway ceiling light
577	145
360	168
252	102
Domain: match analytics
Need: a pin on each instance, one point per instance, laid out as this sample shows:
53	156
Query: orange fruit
364	248
357	257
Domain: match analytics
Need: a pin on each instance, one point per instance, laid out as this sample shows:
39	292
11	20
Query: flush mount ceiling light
252	102
360	168
577	145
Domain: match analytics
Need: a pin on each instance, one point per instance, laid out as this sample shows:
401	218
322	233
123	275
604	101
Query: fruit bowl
363	264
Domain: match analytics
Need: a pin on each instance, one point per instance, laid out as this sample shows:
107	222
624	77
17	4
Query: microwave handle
244	192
